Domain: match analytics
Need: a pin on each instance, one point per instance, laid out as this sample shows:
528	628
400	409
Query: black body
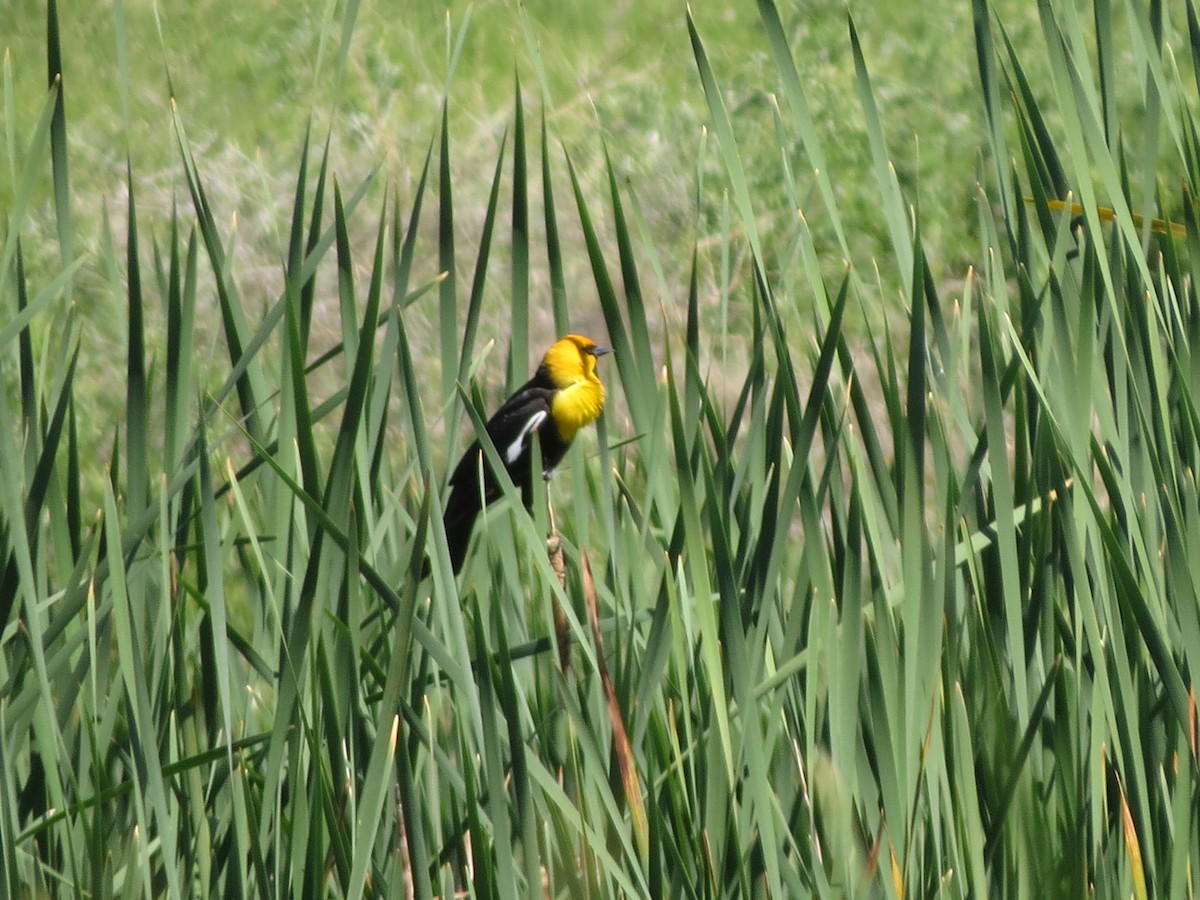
504	428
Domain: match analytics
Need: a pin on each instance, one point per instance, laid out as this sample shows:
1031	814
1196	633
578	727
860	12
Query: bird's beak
600	351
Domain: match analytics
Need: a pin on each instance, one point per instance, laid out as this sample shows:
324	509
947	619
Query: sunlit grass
854	601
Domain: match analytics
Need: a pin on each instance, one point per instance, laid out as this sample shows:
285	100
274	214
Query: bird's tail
459	521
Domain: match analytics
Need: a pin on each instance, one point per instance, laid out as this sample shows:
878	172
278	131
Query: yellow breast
577	405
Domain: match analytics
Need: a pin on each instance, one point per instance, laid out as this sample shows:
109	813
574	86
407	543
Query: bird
564	395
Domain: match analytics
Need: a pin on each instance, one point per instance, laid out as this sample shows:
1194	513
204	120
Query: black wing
511	430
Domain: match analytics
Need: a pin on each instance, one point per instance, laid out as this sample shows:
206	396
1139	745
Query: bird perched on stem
564	395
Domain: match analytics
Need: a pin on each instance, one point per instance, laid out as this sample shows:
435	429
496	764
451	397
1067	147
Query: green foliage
856	602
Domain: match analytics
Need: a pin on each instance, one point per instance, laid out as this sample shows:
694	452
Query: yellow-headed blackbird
563	396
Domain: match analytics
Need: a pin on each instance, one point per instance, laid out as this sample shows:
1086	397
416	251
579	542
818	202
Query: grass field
247	78
877	573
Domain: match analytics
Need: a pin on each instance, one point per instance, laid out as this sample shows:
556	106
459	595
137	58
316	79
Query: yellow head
572	360
571	365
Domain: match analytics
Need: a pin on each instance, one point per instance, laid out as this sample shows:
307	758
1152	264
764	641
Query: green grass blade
475	301
136	402
236	330
554	250
58	136
805	125
518	304
447	290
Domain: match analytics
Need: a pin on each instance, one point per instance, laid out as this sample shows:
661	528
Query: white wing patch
517	447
